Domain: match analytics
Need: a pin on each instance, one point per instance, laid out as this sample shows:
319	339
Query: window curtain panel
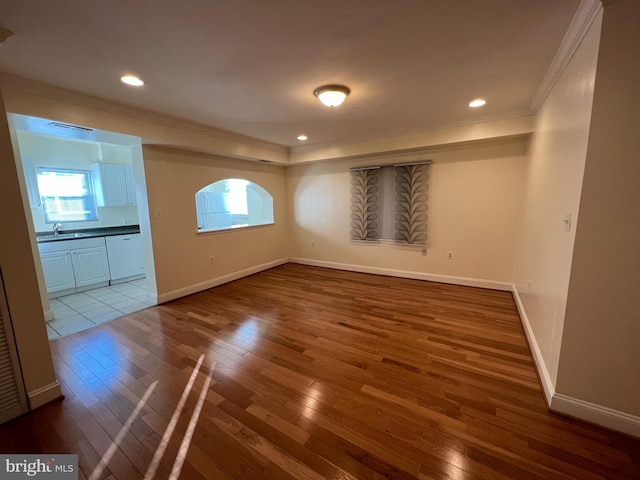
364	204
411	203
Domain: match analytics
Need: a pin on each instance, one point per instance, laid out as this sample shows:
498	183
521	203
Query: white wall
474	201
181	254
600	359
552	190
17	248
64	153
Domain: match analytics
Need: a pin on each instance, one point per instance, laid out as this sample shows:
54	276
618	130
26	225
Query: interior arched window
233	203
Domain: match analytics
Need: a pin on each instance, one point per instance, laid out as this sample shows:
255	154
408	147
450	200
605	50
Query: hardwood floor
308	373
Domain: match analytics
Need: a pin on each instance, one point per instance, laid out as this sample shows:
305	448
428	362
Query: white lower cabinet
70	265
58	271
126	258
90	266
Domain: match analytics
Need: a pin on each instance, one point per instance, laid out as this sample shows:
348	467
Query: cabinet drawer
67	245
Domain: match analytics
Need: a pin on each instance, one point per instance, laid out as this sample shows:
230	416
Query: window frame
89	202
224	194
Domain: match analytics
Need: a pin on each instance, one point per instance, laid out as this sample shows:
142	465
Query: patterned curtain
411	203
364	204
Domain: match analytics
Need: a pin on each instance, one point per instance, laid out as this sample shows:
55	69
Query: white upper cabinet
114	185
130	183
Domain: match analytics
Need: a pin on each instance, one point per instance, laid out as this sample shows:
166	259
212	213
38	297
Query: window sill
233	228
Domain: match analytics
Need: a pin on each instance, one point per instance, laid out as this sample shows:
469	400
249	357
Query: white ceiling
250	66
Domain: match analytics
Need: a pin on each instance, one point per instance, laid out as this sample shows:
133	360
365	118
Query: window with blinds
390	203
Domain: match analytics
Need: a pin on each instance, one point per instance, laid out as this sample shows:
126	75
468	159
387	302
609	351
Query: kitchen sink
63	236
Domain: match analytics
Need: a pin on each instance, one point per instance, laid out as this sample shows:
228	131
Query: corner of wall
43	395
548	386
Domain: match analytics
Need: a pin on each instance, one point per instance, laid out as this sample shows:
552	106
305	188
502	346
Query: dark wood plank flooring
315	373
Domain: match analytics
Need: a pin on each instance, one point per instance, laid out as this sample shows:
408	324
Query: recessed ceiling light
302	138
478	102
131	80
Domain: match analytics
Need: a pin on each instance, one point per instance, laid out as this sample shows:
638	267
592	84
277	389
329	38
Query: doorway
98	267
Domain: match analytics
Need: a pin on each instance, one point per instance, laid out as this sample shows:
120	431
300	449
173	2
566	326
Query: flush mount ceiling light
131	80
302	138
478	102
332	95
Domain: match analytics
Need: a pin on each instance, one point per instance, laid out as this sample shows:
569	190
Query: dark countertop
88	233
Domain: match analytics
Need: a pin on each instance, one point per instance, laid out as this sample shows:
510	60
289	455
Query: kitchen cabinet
58	271
126	257
71	265
90	266
130	185
114	184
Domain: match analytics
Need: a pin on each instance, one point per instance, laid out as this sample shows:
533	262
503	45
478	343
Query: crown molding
505	128
582	20
422	129
60	94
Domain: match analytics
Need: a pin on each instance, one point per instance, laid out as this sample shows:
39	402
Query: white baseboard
574	407
152	298
214	282
597	414
465	281
548	386
43	395
49	315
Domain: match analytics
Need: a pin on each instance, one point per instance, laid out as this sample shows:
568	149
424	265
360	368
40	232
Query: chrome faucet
56	228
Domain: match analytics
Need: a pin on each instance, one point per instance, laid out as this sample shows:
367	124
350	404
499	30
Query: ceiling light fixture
302	138
131	80
332	95
478	102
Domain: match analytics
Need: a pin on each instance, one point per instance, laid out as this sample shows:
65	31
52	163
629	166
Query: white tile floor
77	312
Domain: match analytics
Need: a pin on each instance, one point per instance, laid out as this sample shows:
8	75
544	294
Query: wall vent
68	126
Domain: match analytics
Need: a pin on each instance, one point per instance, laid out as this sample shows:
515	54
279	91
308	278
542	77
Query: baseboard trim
214	282
570	406
464	281
152	298
548	387
43	395
597	414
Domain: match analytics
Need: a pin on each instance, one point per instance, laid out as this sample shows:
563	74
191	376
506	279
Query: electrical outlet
313	243
424	251
158	213
449	255
211	259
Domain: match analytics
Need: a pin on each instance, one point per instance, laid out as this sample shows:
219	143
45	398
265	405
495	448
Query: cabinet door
110	185
126	257
58	271
130	183
90	266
